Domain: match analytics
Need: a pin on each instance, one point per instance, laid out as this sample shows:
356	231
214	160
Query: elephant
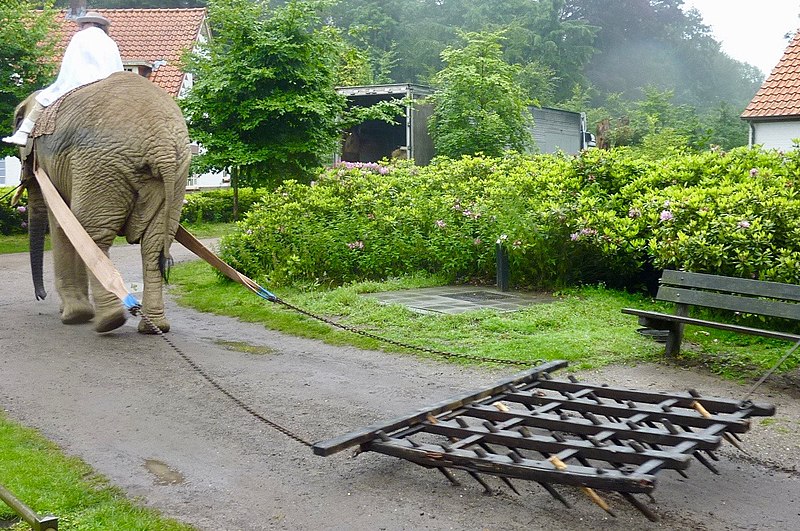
119	155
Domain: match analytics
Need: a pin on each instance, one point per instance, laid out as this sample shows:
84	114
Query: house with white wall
774	112
151	43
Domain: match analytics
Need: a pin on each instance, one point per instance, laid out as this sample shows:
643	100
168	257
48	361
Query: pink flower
440	223
476	241
666	215
634	213
753	172
22	209
358	244
744	224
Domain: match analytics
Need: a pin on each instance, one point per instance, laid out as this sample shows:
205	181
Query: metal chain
407	345
216	385
769	372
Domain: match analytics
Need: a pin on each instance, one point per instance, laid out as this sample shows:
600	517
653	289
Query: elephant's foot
110	322
76	312
160	322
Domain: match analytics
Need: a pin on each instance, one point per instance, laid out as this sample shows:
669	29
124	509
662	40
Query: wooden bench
685	289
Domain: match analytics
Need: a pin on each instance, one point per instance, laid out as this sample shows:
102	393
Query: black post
502	267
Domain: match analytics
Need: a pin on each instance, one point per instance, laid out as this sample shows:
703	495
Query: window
2	170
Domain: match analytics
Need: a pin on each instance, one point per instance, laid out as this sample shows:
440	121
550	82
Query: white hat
93	17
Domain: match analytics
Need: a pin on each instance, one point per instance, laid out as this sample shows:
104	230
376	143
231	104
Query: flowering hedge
13	220
216	206
598	216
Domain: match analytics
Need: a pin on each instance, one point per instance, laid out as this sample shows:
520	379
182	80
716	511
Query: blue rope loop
131	303
266	294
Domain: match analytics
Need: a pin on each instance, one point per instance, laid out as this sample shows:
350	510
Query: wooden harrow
549	431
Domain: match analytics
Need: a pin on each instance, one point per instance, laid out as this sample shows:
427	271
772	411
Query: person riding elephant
119	155
91	55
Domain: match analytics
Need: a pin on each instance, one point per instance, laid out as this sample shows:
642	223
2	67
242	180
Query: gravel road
131	408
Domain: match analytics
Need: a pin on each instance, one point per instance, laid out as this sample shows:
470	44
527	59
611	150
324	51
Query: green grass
36	472
584	325
18	243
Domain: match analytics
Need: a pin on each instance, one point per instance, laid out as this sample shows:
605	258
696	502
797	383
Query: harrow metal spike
640	506
486	487
514	456
510	485
449	475
670	426
706	463
555	494
593	418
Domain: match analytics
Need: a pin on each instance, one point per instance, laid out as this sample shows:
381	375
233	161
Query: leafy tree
27	41
136	4
478	107
264	102
727	129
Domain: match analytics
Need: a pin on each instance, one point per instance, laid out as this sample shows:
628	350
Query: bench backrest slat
742	286
726	301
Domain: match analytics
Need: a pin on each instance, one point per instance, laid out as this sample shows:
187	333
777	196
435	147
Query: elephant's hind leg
153	301
153	294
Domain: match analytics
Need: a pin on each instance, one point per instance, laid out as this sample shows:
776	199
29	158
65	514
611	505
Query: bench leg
674	339
675	336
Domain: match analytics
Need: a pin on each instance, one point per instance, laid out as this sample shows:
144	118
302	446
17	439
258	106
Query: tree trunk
235	186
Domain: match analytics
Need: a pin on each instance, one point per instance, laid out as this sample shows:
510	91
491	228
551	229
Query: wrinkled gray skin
120	159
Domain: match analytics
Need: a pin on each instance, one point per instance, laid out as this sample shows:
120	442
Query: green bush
216	206
607	216
13	220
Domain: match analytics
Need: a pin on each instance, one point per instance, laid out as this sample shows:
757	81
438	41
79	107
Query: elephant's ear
25	152
27	157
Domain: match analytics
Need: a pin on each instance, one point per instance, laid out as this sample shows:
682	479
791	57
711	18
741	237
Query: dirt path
128	406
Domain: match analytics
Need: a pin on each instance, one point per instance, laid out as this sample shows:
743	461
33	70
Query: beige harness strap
186	239
97	262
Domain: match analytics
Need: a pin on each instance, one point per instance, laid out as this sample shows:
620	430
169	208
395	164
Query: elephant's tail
174	180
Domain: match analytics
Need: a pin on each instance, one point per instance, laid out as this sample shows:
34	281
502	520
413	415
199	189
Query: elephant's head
37	209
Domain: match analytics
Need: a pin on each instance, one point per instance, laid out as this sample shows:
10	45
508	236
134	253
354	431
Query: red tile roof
150	35
779	95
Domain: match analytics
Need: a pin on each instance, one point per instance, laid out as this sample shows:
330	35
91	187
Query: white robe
91	55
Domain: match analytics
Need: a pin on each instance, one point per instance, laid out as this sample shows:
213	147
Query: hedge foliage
13	220
599	216
216	206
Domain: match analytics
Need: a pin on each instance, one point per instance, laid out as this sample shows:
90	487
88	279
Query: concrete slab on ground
460	299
